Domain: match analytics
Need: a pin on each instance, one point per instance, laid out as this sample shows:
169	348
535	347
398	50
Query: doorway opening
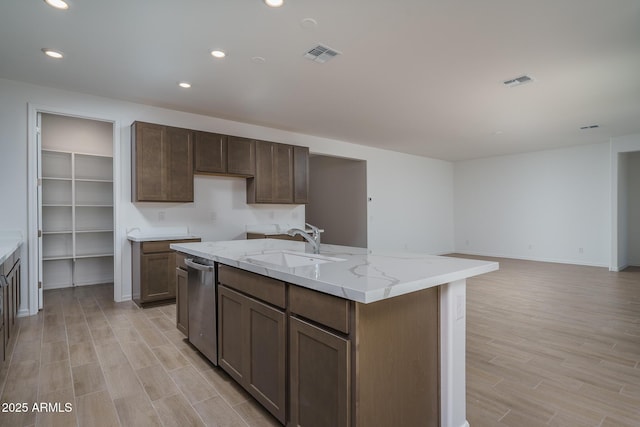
338	199
72	219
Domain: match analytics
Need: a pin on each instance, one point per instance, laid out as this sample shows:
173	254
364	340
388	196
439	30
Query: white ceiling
416	76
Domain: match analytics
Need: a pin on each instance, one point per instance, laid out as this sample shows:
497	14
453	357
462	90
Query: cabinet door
252	337
282	173
158	280
182	301
210	152
2	355
263	180
266	350
231	326
300	174
149	162
241	156
319	376
5	314
179	148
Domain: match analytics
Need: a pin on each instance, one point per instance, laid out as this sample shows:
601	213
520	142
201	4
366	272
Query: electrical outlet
271	215
581	250
161	216
213	215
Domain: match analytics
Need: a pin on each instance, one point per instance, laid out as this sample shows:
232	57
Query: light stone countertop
364	276
9	242
158	234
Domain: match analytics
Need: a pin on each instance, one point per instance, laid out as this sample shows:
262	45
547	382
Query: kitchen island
355	337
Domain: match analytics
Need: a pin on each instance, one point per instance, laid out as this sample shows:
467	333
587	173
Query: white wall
550	205
412	204
633	208
64	133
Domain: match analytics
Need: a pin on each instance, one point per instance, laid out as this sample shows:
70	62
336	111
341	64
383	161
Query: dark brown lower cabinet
153	271
10	302
252	347
319	376
231	330
349	364
182	300
157	277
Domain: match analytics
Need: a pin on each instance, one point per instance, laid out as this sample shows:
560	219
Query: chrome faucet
313	238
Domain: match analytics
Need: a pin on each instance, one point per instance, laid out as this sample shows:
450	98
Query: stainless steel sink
290	259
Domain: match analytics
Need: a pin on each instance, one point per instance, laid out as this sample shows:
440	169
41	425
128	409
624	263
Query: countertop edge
342	292
8	247
158	238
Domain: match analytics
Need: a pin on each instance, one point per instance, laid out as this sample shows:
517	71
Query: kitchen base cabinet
319	376
349	364
266	374
252	336
10	289
153	271
230	332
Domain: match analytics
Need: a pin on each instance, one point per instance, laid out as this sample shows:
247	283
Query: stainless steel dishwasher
201	287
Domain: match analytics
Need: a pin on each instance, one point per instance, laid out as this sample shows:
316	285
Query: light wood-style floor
553	345
119	366
547	345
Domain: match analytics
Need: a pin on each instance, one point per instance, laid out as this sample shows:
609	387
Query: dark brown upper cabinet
241	156
210	152
300	174
273	181
162	163
223	154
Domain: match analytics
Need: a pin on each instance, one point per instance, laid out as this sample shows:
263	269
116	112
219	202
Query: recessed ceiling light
58	4
274	3
53	53
218	54
185	85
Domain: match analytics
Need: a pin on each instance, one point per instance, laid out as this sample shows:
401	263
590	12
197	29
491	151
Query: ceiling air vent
518	81
589	127
321	54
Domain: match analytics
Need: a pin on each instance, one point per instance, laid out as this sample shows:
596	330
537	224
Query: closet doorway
75	202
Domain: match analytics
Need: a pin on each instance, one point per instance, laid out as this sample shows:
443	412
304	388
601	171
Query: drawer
258	286
162	245
325	309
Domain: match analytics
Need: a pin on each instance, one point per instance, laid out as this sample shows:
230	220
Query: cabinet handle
198	266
